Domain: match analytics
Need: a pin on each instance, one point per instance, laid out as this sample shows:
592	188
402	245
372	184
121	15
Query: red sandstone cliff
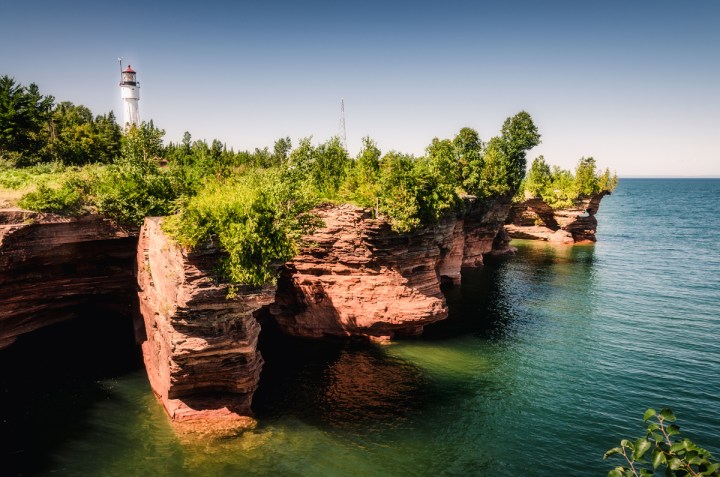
356	277
51	267
201	349
535	220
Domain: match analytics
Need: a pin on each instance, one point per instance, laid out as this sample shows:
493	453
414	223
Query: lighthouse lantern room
130	94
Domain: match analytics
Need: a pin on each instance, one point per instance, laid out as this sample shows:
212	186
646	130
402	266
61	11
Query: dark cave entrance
52	377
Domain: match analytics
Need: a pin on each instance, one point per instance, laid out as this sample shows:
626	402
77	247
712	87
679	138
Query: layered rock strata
201	349
534	219
52	268
356	277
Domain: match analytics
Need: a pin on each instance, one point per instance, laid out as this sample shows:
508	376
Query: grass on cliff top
17	182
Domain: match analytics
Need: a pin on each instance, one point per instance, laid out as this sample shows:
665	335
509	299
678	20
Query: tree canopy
34	129
559	187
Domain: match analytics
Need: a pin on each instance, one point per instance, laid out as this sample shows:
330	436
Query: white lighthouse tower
130	94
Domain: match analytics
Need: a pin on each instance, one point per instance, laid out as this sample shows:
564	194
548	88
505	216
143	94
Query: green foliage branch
662	447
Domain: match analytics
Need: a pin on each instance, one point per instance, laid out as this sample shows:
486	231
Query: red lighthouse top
128	77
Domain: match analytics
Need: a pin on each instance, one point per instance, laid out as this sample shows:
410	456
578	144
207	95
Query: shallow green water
547	360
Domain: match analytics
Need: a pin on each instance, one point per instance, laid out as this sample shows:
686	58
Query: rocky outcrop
353	277
535	220
201	348
356	277
52	268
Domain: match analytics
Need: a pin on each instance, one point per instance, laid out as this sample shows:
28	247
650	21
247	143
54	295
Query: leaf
656	437
646	473
641	447
627	443
675	463
658	458
616	472
678	446
649	413
613	451
667	414
672	430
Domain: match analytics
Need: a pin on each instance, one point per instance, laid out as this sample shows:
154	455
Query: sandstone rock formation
201	349
356	277
53	267
353	277
535	220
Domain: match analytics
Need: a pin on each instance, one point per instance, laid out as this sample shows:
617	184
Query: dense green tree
469	150
518	135
368	159
329	167
281	151
443	160
496	176
142	144
538	181
586	181
24	114
361	184
398	201
607	181
76	137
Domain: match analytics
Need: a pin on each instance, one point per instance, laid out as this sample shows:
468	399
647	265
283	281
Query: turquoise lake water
548	359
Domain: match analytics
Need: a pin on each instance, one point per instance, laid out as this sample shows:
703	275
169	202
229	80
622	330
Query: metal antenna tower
343	135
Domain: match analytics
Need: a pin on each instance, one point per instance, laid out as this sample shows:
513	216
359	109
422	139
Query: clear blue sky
636	84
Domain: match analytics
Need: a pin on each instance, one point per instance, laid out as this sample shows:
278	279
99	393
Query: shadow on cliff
50	381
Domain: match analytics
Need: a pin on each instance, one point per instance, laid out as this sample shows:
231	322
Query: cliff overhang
534	219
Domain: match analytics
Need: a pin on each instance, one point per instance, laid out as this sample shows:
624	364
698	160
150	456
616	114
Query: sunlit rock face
54	268
201	348
356	277
535	220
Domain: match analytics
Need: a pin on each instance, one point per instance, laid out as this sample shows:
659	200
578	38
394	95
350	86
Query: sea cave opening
53	377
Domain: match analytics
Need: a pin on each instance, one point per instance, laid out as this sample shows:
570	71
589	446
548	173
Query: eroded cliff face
53	267
201	349
356	277
535	220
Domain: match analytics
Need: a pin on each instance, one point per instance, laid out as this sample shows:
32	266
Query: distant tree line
33	129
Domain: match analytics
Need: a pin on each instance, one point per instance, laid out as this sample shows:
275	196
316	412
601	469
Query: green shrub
68	199
256	219
128	192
